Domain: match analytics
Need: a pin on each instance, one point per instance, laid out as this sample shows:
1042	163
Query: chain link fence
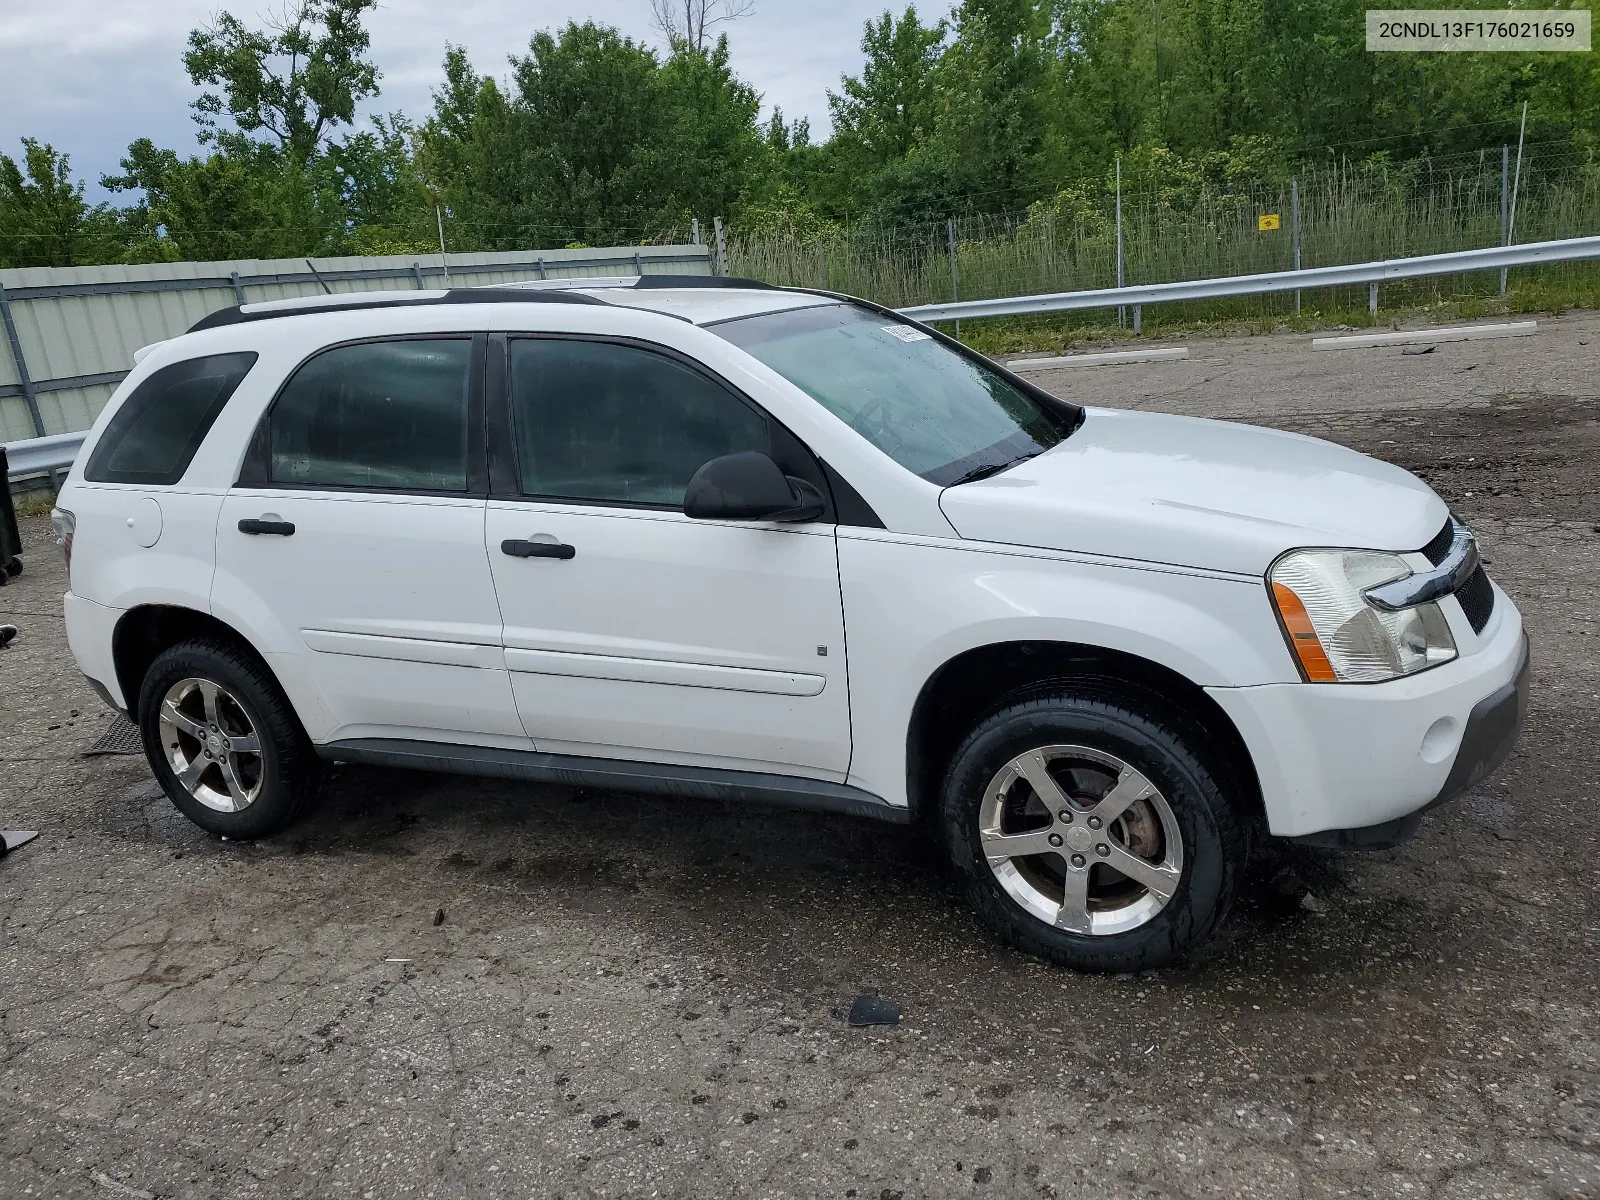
1340	212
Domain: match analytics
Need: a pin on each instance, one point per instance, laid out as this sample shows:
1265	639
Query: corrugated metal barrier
70	332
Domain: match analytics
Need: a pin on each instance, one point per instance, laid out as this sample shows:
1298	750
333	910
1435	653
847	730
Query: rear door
642	633
352	544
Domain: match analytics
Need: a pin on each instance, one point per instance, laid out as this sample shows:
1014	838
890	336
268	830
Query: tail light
65	524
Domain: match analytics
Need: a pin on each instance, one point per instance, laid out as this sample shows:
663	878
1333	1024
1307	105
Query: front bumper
1491	733
1350	766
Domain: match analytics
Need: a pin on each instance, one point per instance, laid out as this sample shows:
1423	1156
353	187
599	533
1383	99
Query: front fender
913	604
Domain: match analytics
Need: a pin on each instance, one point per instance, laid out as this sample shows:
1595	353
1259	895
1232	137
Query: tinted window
931	409
154	435
596	421
384	415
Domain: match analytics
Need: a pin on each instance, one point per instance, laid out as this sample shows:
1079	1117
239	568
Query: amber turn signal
1308	651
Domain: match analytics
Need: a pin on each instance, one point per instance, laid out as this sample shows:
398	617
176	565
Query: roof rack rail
648	282
347	302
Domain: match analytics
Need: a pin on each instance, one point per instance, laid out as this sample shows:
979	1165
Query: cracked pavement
638	997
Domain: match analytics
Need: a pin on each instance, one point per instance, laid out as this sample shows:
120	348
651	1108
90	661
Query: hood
1198	493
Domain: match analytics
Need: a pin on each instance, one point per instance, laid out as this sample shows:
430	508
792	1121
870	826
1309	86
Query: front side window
602	422
153	437
932	410
386	416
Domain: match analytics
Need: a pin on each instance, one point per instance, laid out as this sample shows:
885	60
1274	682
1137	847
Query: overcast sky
89	76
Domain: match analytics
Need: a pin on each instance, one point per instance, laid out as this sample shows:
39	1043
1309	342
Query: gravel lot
635	997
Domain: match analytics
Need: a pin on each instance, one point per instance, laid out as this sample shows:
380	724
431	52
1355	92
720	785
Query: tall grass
1349	212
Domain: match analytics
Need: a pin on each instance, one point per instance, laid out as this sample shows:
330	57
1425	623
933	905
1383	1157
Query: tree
711	143
385	199
888	110
44	221
248	203
687	21
296	80
990	86
590	118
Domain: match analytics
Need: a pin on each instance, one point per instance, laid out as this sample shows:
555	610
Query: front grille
1440	546
1477	600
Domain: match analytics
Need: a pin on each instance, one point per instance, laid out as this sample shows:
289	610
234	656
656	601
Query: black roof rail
235	315
649	282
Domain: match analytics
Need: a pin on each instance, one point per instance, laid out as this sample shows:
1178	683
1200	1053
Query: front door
632	631
353	550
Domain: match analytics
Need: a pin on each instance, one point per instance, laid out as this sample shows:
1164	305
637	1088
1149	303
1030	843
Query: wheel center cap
1080	837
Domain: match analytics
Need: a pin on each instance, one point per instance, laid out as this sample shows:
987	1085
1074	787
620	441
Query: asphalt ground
628	996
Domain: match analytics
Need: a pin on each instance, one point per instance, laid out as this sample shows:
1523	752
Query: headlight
1335	635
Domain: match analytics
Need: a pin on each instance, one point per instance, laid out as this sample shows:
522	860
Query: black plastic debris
1418	350
12	839
874	1010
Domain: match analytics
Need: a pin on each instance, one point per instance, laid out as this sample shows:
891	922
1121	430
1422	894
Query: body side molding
660	779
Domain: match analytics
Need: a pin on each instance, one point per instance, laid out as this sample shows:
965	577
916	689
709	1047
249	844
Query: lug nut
1102	849
1078	860
1094	822
1055	839
1066	816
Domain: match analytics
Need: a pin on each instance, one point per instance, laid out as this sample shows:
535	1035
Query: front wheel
1089	833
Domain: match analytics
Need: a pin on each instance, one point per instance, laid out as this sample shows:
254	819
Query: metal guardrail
1373	273
36	456
46	455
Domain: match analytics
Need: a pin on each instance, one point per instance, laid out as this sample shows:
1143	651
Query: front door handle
520	548
258	525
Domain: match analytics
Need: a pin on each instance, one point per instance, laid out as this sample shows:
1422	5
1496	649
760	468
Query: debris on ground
7	632
13	839
1418	350
438	916
874	1010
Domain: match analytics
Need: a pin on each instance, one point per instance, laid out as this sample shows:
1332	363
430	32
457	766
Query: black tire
287	769
1213	829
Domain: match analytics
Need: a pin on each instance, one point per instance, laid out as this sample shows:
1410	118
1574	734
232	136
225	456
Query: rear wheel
1091	833
223	741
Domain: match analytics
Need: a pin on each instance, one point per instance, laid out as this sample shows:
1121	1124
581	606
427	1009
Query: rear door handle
520	548
258	525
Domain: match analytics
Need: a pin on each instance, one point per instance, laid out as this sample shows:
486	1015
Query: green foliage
888	111
295	80
252	201
1004	106
44	221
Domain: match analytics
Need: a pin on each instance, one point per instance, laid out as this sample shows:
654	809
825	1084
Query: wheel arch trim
969	685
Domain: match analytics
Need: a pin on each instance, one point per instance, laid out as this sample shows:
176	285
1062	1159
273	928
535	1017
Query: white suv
706	537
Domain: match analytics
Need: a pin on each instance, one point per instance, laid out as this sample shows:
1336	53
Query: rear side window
601	422
388	416
153	437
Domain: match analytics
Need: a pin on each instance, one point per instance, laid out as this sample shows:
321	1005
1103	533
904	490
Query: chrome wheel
1081	839
211	745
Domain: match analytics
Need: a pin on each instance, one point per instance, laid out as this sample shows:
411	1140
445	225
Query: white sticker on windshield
907	334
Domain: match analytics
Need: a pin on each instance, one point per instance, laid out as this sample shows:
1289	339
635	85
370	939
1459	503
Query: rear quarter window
153	437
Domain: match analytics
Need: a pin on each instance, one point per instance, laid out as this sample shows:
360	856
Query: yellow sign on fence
1267	221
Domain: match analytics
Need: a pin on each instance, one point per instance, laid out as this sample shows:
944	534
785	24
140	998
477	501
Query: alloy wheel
1081	839
211	744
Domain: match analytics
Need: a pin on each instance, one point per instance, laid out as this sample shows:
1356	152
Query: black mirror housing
749	486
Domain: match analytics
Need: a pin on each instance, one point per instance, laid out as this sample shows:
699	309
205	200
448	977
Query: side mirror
750	487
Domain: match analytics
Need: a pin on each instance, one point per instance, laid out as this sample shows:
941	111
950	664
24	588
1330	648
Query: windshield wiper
989	469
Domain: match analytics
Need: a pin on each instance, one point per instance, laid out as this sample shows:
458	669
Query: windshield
926	406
